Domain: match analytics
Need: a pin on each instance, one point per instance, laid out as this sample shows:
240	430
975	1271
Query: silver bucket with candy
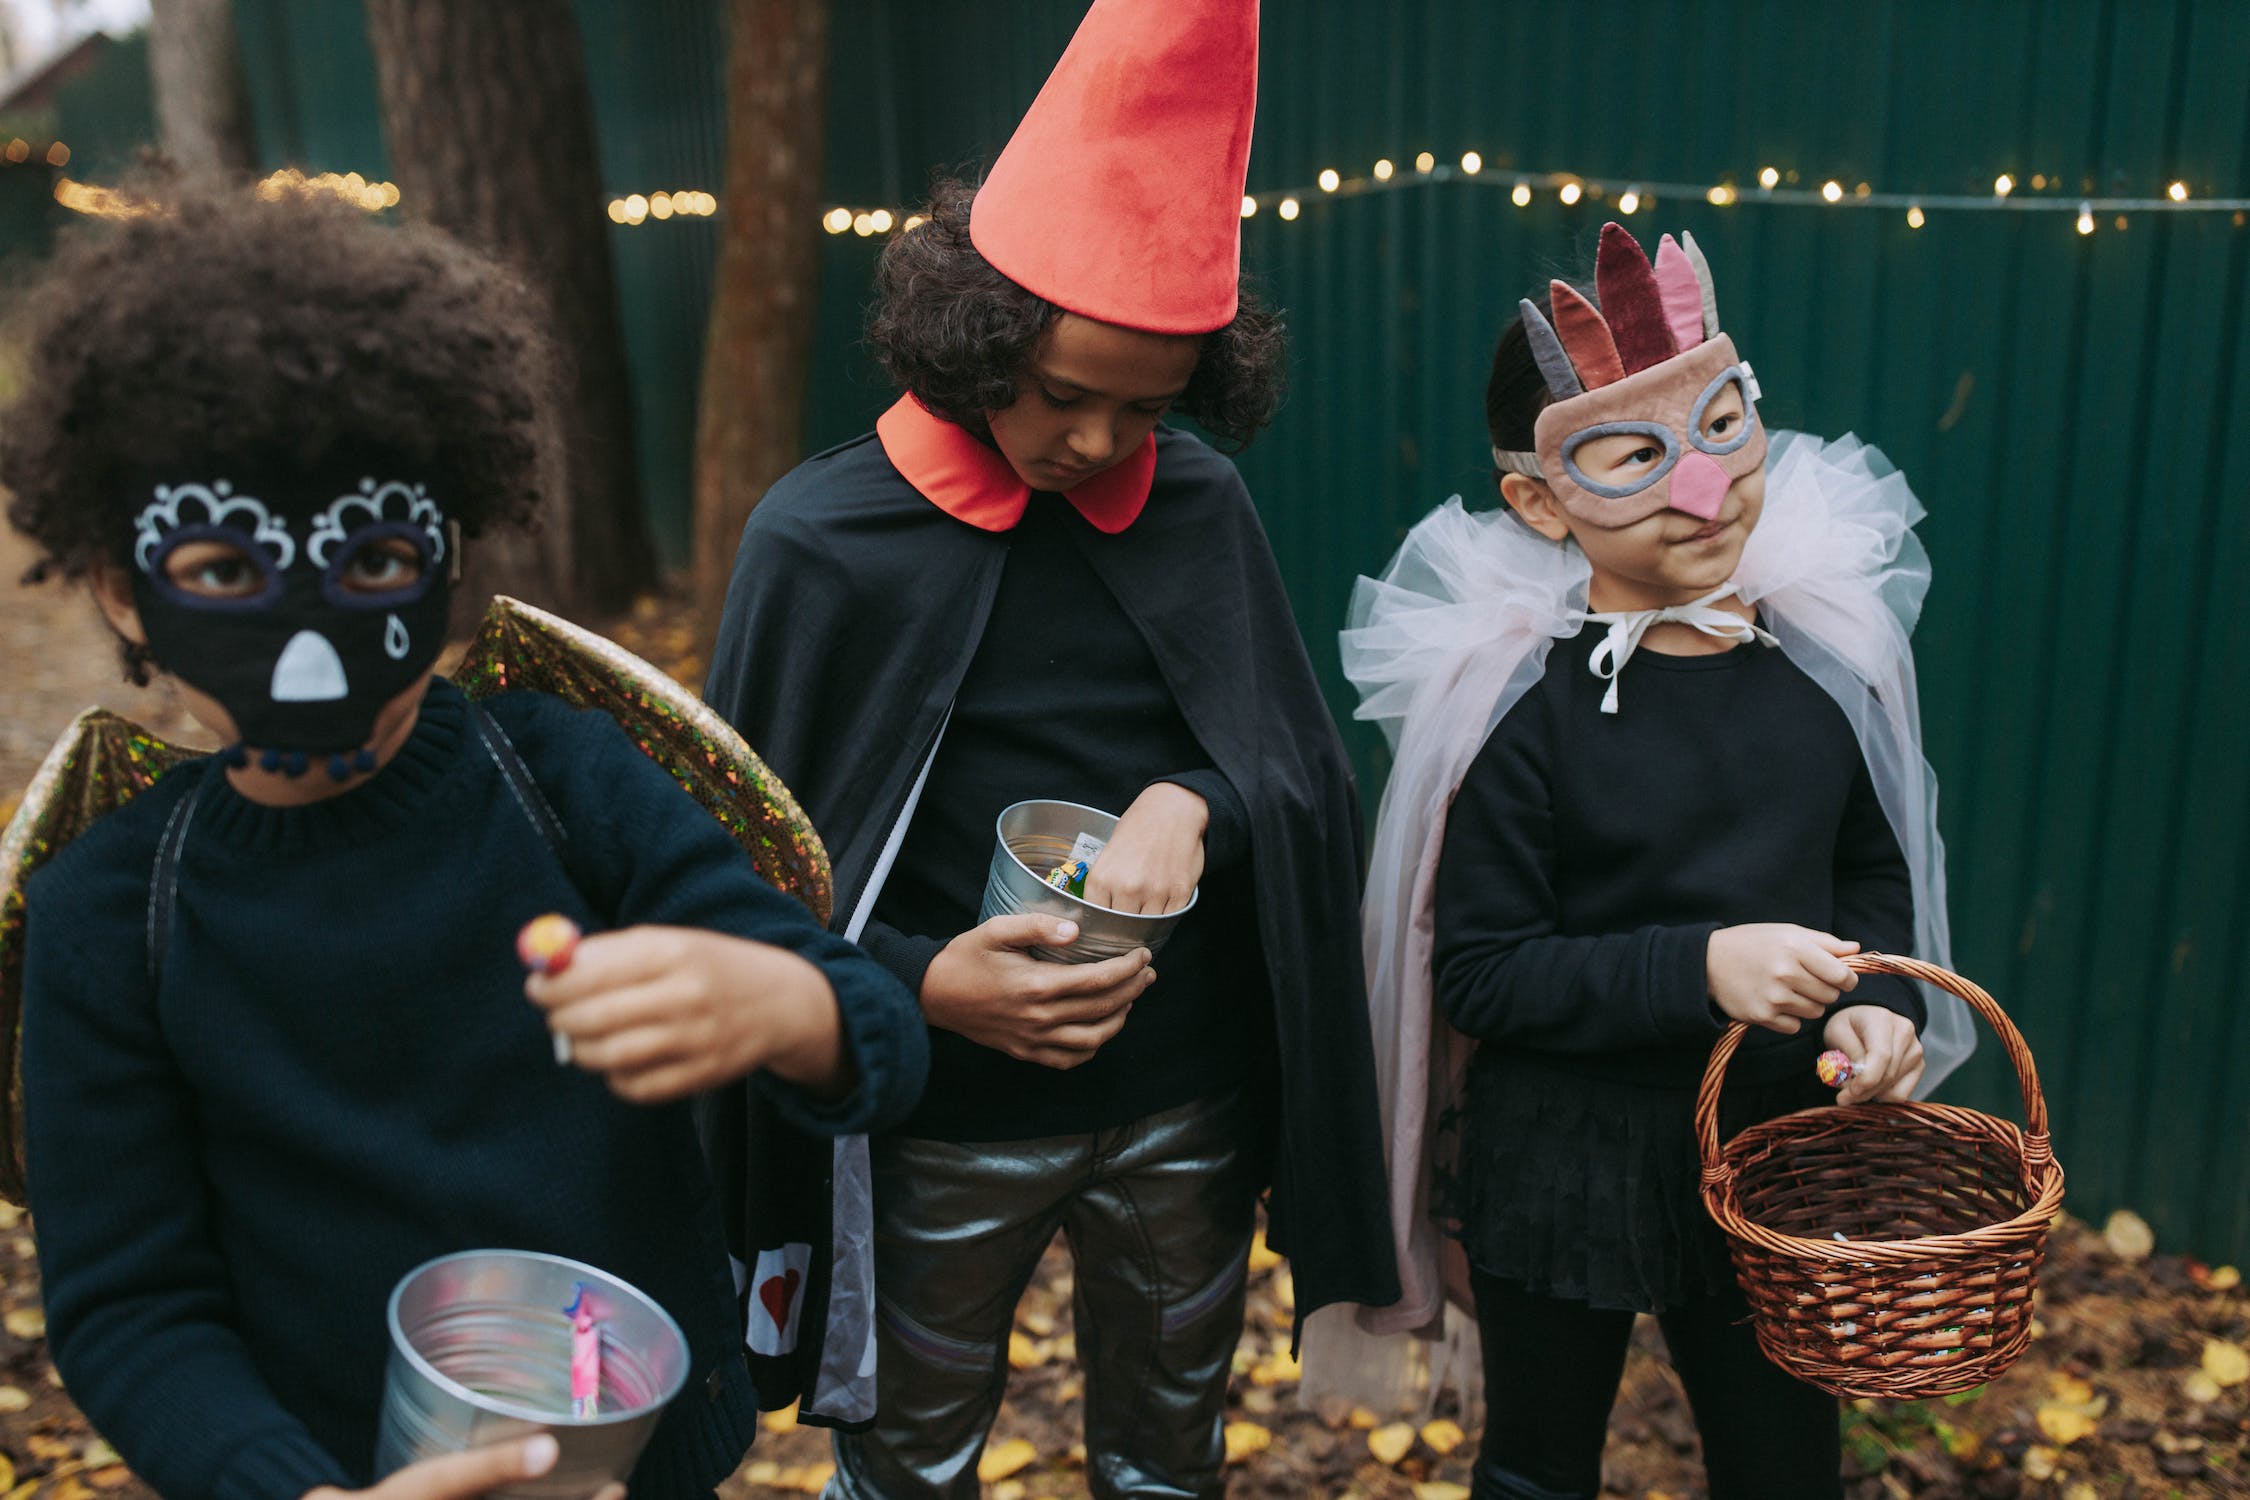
1032	840
481	1349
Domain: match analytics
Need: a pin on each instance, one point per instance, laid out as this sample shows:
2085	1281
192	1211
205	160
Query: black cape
854	609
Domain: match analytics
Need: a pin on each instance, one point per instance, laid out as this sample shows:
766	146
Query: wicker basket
1887	1249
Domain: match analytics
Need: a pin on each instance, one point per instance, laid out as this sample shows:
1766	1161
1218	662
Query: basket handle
2037	1149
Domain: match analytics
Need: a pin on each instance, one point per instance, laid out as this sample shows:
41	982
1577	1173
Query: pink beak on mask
1699	486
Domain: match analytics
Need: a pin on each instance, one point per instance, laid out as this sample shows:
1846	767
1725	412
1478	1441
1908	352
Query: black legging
1551	1370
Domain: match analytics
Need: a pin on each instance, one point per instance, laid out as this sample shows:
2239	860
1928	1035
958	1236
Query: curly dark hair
957	334
221	324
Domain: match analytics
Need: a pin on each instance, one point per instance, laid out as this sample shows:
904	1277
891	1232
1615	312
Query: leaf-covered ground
2137	1387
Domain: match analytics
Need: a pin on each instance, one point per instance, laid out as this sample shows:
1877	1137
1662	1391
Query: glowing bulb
1522	195
1249	206
1329	181
58	155
2177	192
390	195
2003	185
1289	207
636	208
1720	196
1914	219
19	149
882	218
1832	190
1862	190
2085	218
1424	161
2038	181
1471	163
1768	176
660	205
2120	225
913	222
617	210
1570	192
1383	170
836	220
863	225
1629	201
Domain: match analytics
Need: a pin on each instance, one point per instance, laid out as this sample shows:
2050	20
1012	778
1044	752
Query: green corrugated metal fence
2074	410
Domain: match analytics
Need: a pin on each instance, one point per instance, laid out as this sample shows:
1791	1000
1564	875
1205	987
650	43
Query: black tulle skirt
1584	1187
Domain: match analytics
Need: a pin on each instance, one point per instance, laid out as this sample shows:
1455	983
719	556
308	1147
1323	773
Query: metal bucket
1034	837
480	1352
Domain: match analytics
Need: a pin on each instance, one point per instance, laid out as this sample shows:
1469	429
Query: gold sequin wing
101	763
519	646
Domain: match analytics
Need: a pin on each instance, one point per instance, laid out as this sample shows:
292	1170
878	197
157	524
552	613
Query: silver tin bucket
480	1352
1034	837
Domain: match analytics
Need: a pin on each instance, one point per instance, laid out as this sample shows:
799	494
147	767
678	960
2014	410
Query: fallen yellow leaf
10	1216
24	1490
2039	1463
14	1398
100	1455
7	1474
1440	1489
1009	1489
2064	1425
1392	1443
764	1471
1244	1439
2224	1279
2128	1236
1284	1288
1039	1325
26	1323
1023	1354
809	1480
784	1420
2228	1364
72	1488
2199	1387
1262	1259
2069	1388
1361	1418
1443	1436
2082	1491
1010	1457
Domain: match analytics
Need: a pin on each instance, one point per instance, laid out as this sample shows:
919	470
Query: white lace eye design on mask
379	548
184	513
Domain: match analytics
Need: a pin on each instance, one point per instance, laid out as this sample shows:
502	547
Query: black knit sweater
338	1077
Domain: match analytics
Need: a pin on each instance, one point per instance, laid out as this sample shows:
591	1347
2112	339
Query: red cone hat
1120	196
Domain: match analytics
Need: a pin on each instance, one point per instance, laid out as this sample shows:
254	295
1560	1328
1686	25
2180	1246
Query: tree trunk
751	425
490	127
195	71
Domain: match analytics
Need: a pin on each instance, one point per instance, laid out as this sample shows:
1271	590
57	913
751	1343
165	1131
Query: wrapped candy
585	1357
1069	876
1834	1067
545	945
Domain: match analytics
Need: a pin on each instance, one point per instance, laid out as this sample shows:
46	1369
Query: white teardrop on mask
395	641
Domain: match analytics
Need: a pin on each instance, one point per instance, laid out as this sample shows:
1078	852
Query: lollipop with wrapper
545	945
1834	1067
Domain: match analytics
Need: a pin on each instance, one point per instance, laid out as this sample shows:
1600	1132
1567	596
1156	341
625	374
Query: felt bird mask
1650	363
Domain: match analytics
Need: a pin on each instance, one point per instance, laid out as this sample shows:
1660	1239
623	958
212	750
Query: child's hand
665	1012
1154	859
1886	1054
463	1476
1775	974
985	986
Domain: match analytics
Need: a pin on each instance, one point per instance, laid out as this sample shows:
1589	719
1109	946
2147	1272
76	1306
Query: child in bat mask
1658	769
277	1049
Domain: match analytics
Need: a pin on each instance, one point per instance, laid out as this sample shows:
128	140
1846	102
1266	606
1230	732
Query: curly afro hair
957	334
220	324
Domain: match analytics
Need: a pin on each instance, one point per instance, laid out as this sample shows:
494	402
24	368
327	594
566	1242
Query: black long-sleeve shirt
338	1077
1064	701
1588	858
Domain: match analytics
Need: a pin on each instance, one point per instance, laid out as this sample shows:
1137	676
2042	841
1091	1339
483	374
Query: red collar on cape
974	483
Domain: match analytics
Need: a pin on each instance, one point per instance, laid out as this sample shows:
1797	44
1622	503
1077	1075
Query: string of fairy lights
2042	192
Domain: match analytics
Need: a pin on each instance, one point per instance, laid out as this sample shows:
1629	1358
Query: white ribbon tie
1626	627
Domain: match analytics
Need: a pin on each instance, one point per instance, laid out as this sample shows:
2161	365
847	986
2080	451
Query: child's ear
113	591
1535	504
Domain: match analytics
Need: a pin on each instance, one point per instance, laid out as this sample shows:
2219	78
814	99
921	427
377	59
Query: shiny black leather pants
1158	1215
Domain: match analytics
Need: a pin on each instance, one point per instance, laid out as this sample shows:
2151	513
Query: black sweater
1064	701
1588	858
338	1077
